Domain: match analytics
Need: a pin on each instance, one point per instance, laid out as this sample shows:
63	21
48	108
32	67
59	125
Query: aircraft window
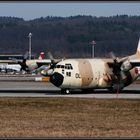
68	74
57	66
62	66
68	66
71	67
62	71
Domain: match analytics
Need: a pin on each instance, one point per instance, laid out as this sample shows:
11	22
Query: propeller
23	63
49	69
119	74
53	61
116	65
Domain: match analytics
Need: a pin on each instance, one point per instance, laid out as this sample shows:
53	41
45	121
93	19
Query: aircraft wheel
65	91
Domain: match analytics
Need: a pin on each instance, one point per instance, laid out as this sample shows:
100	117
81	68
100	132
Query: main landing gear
115	88
65	91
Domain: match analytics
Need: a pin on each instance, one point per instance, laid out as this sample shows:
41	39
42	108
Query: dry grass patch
69	117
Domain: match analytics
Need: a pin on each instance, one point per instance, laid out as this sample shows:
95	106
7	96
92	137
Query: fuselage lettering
77	75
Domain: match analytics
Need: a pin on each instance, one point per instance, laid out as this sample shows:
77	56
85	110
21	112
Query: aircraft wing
8	61
47	62
135	62
39	64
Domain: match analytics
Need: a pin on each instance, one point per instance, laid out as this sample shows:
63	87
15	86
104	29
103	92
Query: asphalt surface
46	89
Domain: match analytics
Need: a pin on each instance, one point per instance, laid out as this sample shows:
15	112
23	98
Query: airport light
93	48
30	36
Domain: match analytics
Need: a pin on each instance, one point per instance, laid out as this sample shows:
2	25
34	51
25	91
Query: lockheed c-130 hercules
88	74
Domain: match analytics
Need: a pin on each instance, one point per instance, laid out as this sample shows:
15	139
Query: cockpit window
71	67
66	66
58	66
62	66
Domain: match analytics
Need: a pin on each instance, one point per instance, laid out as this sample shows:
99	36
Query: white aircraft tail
138	48
41	56
137	54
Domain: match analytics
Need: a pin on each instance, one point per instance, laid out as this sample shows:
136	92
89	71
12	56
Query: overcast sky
32	10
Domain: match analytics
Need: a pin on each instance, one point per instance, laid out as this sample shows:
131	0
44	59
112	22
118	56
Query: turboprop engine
126	66
48	72
123	72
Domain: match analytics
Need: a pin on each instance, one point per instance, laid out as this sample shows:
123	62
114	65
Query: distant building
13	56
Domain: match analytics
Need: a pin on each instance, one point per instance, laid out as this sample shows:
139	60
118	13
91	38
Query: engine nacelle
126	66
47	72
132	75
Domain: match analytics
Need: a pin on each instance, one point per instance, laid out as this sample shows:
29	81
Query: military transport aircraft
36	65
26	66
88	74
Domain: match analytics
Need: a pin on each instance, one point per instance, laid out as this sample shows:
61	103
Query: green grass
69	117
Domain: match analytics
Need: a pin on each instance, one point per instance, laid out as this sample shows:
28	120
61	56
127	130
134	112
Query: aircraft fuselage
87	74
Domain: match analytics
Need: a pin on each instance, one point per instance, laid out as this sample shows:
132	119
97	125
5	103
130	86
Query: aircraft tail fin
41	56
138	48
137	54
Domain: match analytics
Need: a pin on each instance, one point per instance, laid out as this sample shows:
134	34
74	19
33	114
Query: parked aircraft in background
36	65
5	67
17	65
88	74
13	67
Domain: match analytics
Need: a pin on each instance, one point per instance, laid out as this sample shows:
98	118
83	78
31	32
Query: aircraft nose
56	79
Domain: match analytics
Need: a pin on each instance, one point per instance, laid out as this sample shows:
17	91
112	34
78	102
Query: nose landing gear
65	91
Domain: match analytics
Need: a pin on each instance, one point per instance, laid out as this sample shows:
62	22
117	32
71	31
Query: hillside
70	36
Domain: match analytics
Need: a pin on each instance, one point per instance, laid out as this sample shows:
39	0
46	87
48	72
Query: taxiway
46	89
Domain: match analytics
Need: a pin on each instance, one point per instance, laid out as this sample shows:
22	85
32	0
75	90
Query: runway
46	89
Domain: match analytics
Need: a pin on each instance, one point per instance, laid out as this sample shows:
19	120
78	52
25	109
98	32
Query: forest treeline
71	36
